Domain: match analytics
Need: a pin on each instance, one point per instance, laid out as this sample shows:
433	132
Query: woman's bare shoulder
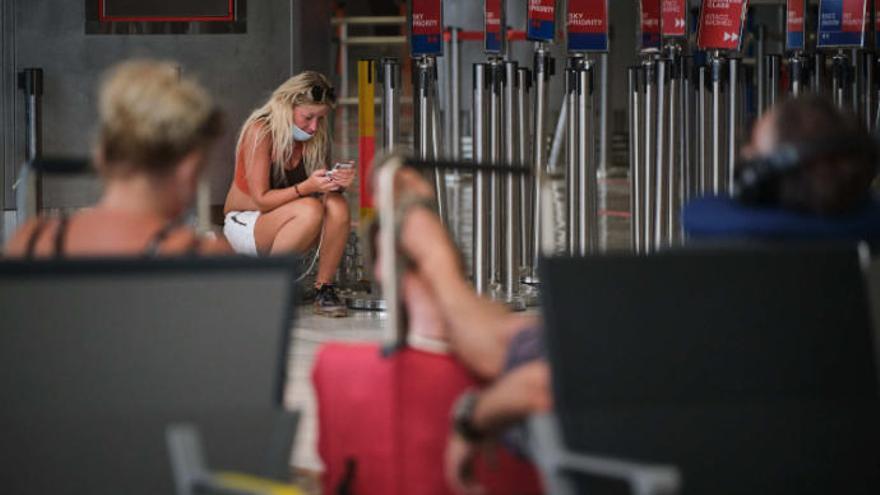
17	245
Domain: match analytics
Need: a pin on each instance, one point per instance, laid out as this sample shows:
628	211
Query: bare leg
337	224
293	227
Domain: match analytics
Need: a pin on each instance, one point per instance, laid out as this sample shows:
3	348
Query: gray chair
749	370
102	359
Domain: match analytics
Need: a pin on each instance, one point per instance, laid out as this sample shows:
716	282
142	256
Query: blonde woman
155	129
283	198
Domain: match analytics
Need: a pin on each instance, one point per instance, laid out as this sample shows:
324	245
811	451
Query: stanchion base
516	302
531	281
365	302
529	295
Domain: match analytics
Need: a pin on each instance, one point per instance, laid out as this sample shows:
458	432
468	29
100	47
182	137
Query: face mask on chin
299	134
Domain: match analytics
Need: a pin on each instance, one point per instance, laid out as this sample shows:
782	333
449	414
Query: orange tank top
240	172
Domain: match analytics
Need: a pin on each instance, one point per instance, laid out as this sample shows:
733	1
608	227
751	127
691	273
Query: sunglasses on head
322	94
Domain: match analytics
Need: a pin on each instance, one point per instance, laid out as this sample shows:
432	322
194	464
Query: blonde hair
151	117
275	118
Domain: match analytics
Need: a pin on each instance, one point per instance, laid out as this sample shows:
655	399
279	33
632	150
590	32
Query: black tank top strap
61	235
152	249
155	244
194	246
298	174
31	248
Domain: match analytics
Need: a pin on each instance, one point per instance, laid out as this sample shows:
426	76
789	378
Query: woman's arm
257	154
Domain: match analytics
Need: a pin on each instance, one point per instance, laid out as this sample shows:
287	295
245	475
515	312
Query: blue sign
842	23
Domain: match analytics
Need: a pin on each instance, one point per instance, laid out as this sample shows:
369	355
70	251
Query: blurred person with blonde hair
155	130
282	198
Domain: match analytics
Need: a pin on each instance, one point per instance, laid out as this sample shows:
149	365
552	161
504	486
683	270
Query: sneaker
327	302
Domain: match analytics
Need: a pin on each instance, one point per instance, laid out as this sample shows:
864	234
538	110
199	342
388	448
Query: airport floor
309	332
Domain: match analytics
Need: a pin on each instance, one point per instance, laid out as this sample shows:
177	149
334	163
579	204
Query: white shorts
238	227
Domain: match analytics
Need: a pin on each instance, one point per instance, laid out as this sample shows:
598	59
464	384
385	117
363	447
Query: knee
312	209
337	209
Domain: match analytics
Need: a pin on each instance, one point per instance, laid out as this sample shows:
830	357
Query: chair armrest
555	461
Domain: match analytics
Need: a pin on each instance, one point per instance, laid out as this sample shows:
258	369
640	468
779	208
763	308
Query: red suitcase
384	423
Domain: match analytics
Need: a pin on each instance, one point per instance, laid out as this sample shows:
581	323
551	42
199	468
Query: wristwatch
463	417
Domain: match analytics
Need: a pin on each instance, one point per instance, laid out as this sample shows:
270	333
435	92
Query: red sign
650	24
587	25
721	23
854	16
427	27
543	10
542	20
674	14
494	43
795	25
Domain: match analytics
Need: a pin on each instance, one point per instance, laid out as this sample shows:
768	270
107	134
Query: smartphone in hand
343	166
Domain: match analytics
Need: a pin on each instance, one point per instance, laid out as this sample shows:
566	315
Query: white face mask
299	134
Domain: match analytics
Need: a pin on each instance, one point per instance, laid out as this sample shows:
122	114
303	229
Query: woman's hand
459	466
318	182
343	177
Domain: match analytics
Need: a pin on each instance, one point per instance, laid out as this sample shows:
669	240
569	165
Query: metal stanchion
30	81
819	69
761	63
733	122
838	79
774	71
524	131
587	191
422	81
868	92
543	70
660	171
855	82
649	146
687	174
635	168
572	136
797	69
389	77
674	150
510	253
480	263
425	118
703	164
496	144
455	94
603	113
716	65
